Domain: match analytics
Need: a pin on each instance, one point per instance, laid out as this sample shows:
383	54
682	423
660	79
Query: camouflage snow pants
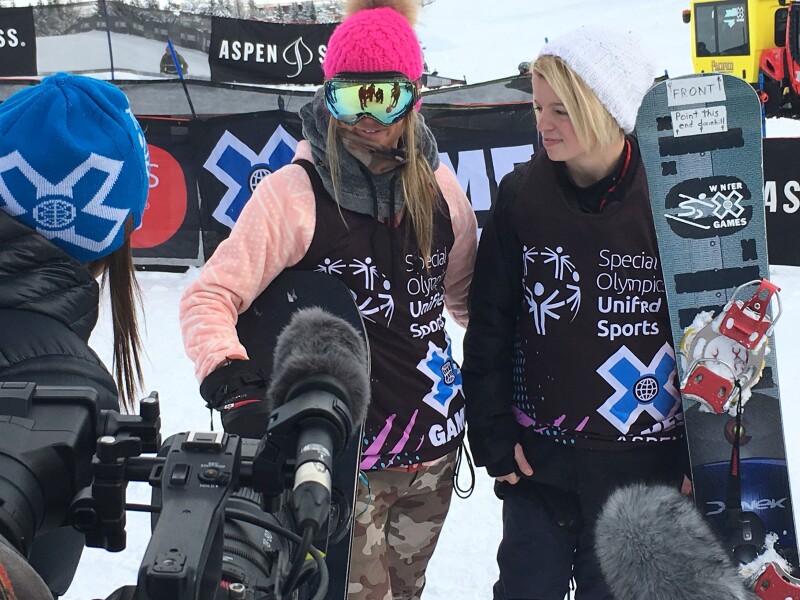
396	530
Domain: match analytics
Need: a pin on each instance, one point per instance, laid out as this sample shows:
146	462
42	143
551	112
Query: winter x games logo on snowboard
708	207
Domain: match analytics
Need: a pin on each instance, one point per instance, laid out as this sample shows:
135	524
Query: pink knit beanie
376	36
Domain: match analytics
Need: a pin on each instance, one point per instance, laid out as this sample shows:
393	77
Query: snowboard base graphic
258	328
700	140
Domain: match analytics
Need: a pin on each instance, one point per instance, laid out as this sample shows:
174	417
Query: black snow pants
548	530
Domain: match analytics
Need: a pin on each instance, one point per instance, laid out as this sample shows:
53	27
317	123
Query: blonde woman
367	201
568	368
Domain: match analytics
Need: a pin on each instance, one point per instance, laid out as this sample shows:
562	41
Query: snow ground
481	40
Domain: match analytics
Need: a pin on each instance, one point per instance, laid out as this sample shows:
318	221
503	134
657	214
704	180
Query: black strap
313	175
734	498
465	492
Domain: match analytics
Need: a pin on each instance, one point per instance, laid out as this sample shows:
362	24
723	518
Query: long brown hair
417	179
119	277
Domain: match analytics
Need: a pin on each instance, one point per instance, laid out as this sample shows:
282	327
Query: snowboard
701	146
258	327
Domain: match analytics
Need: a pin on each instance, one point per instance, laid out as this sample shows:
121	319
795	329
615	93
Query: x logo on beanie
72	210
74	163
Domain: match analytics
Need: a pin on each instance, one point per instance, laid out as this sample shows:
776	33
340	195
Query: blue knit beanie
74	163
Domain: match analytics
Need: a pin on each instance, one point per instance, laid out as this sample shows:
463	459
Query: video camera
226	523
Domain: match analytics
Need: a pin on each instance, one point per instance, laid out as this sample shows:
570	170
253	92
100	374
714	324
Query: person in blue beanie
74	178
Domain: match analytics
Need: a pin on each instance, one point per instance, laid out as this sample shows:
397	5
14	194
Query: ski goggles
386	97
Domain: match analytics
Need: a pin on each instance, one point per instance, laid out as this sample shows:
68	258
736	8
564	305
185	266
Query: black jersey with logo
594	336
569	332
417	409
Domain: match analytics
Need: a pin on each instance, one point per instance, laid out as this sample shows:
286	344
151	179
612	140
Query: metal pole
108	35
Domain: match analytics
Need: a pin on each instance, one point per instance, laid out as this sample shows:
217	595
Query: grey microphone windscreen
653	543
316	342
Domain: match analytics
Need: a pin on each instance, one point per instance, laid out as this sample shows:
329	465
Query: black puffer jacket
48	308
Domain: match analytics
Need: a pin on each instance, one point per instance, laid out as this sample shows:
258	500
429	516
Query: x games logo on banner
255	52
17	42
236	153
240	169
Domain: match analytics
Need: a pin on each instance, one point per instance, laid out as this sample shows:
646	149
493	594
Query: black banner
227	156
256	52
171	220
234	153
220	160
481	144
782	199
17	42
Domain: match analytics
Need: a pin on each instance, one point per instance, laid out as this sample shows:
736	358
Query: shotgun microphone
321	369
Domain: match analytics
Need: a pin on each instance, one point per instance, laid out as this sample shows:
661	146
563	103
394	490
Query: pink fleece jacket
273	232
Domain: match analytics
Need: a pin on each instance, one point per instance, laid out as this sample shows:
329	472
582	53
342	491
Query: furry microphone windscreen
316	342
653	543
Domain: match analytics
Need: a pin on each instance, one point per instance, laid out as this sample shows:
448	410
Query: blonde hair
593	124
417	179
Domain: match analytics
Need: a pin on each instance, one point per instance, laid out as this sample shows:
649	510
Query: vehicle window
794	34
721	29
781	16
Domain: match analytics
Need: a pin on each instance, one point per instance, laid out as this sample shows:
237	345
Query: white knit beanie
613	65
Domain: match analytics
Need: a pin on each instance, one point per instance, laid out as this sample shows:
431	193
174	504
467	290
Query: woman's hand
238	390
522	463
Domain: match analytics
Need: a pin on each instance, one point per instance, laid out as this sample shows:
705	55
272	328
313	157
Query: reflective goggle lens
385	101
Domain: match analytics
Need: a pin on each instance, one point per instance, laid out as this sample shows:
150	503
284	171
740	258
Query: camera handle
199	472
196	473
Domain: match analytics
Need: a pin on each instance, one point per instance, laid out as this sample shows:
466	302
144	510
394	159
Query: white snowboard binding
726	355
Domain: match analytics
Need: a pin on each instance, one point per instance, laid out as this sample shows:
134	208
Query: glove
238	390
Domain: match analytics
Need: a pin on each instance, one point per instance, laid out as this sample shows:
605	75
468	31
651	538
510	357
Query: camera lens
250	552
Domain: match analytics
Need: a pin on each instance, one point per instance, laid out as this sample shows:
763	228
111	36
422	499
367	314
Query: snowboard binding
774	583
726	354
747	537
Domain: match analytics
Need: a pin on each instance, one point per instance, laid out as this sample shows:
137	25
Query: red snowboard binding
774	583
725	355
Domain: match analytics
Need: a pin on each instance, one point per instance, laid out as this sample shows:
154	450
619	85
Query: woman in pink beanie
367	201
569	371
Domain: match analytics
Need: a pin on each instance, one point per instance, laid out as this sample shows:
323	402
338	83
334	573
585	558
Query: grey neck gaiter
354	191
